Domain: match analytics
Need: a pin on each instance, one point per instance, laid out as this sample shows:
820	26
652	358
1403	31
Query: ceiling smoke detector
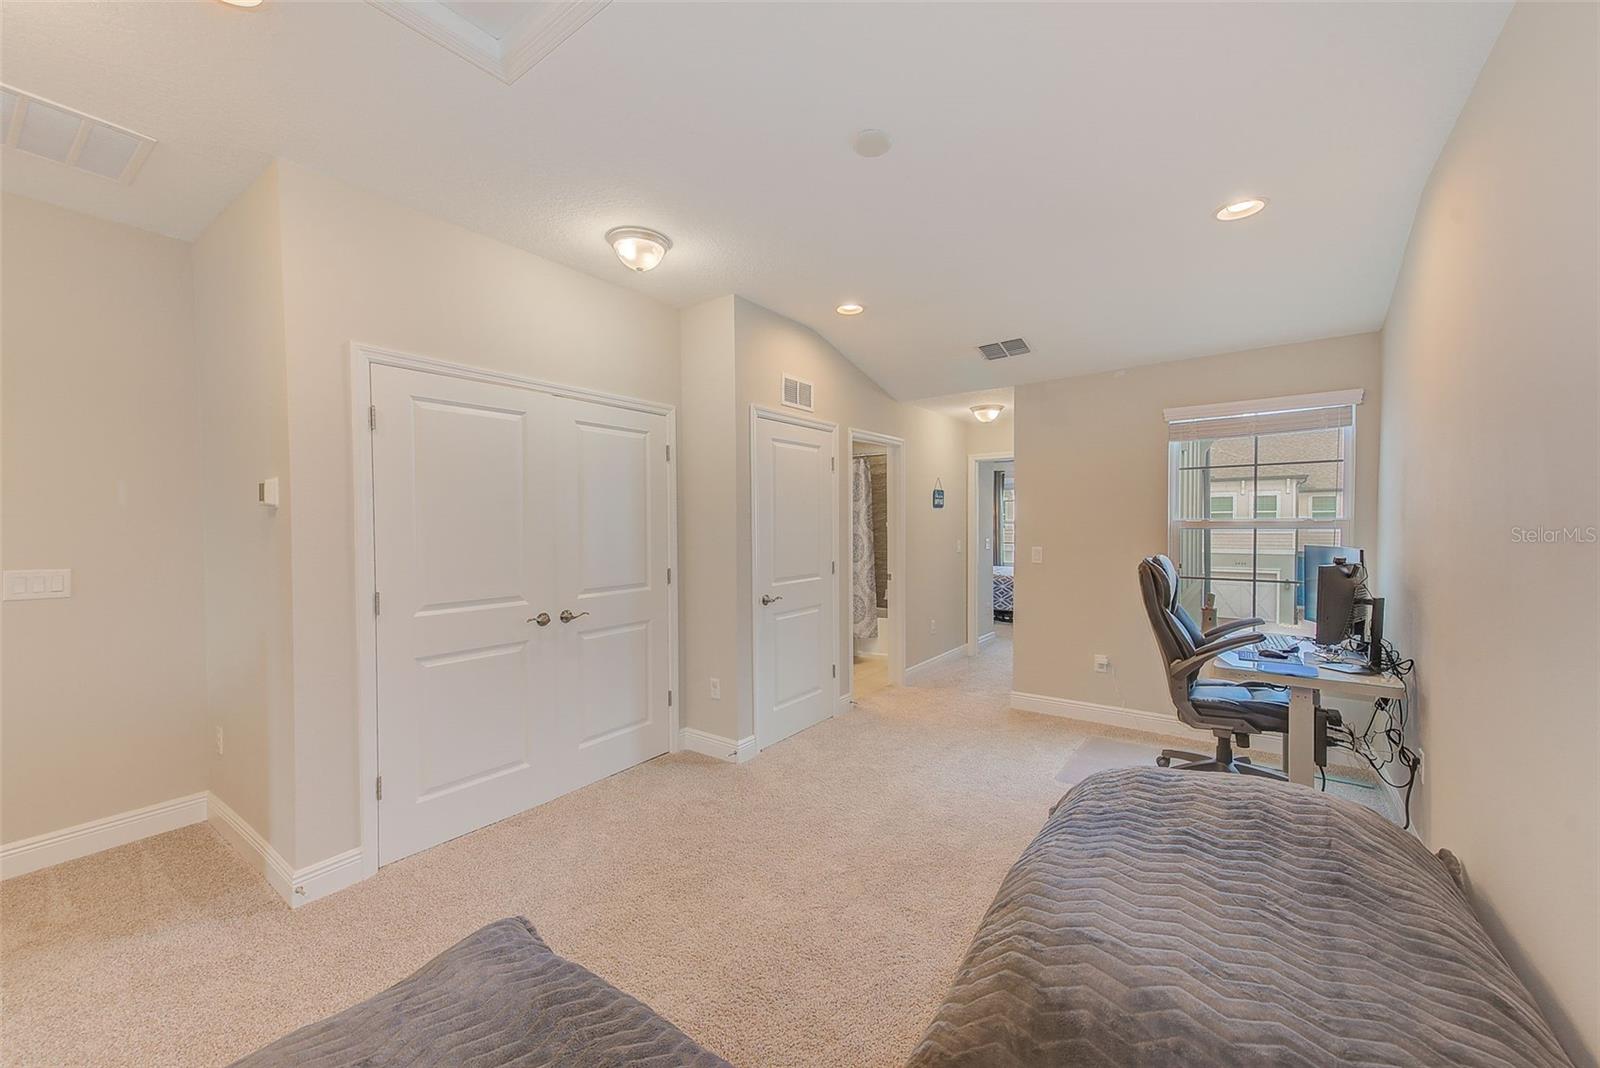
999	350
57	133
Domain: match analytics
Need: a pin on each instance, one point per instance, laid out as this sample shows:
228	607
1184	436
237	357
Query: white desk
1300	745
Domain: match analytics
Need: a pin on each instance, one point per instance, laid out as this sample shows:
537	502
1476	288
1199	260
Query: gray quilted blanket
1168	918
497	997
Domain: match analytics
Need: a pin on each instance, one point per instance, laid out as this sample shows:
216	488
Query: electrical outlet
219	741
716	689
958	546
1038	554
933	625
1421	766
1102	663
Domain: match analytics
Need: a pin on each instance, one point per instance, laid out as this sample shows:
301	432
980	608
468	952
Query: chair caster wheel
1163	762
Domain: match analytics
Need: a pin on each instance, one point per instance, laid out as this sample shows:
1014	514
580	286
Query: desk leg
1301	743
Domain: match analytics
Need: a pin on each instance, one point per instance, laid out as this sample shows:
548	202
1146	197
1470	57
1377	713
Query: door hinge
836	671
833	463
669	576
669	454
833	567
380	787
372	417
669	698
375	600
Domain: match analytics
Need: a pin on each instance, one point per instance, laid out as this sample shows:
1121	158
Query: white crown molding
714	745
508	58
70	843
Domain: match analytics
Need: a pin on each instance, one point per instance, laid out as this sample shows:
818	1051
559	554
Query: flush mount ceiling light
987	413
850	309
1242	208
638	249
242	3
871	143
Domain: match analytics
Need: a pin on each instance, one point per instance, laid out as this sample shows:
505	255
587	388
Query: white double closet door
521	548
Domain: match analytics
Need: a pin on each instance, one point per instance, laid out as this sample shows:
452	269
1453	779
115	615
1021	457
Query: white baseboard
56	847
253	849
948	655
714	745
1132	719
846	703
295	887
984	639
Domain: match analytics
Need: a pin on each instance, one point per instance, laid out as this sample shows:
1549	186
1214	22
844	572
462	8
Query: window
1007	545
1290	459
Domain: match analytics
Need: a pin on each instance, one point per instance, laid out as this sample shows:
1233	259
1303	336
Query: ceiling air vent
37	126
999	350
797	394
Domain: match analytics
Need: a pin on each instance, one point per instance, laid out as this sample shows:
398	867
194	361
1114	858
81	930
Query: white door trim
897	551
757	414
362	359
974	539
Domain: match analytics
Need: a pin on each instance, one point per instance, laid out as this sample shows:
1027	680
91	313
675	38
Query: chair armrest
1211	652
1229	628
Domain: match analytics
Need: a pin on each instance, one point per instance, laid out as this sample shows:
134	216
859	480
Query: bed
1003	592
1168	918
497	997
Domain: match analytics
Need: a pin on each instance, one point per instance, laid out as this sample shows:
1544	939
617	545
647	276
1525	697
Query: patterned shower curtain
864	599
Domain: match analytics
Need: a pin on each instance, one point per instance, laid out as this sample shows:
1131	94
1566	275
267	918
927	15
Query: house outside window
1291	461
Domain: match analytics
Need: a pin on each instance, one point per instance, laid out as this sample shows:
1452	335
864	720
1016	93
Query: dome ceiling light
639	249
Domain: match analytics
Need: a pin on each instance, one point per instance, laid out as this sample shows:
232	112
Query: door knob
543	619
767	598
568	617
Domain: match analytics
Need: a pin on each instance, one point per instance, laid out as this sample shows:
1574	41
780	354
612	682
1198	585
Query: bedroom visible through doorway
994	541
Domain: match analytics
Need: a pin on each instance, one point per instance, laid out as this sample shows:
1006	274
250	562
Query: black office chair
1231	712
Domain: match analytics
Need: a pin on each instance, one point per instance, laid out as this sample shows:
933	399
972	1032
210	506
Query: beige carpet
807	908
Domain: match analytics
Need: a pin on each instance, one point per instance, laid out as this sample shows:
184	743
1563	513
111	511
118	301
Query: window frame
1344	525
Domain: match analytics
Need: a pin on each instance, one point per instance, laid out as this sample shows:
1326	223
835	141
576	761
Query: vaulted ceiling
1053	175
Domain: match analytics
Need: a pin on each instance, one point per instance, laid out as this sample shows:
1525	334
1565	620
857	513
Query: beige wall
1490	393
104	692
768	345
1092	492
996	437
708	594
238	270
360	268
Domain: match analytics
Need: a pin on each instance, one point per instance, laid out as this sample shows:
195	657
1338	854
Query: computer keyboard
1283	643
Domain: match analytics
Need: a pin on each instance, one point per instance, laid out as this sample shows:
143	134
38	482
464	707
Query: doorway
794	572
992	488
519	625
876	548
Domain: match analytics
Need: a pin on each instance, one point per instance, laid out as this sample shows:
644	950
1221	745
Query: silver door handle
568	617
543	619
767	598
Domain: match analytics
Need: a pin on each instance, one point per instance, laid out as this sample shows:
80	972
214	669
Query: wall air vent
999	350
797	394
41	127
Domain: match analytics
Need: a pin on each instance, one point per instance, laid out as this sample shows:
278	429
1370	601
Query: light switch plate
37	585
1038	554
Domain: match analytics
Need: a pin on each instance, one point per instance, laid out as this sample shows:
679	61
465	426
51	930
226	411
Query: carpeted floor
807	908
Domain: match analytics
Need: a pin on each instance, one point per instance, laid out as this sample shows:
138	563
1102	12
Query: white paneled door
520	543
795	584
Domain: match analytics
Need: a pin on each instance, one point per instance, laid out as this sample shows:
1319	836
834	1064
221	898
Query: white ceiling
1053	176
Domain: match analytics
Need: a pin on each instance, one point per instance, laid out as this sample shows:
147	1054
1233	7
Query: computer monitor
1313	559
1337	593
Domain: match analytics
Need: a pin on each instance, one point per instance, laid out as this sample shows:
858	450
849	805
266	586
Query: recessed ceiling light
871	143
242	3
987	413
638	249
850	309
1242	208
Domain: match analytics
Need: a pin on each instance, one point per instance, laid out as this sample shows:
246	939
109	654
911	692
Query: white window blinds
1273	415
